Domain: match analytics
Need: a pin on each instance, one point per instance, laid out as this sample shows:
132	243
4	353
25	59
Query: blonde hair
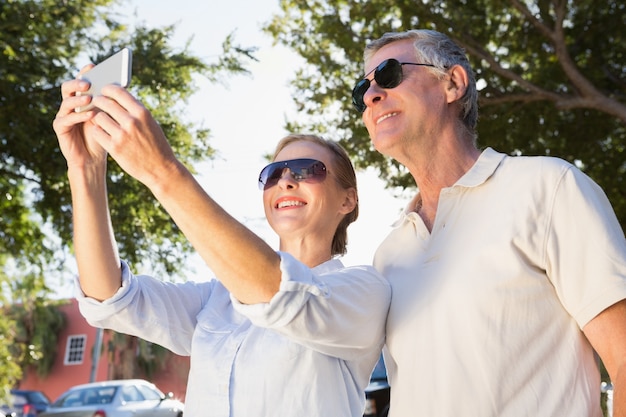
343	171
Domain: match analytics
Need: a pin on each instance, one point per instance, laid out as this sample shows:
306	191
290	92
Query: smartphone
116	69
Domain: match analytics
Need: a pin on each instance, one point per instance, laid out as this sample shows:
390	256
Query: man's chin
383	144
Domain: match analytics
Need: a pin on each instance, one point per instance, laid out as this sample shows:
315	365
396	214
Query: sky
246	116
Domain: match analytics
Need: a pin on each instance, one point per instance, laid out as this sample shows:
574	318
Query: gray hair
435	48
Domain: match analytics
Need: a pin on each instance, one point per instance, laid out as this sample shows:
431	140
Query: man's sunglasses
309	170
388	74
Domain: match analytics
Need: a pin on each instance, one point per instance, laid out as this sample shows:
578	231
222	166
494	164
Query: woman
287	333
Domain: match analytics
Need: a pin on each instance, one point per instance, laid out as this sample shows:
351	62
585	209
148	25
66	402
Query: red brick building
75	362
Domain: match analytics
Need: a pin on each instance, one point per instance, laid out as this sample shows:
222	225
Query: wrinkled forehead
402	50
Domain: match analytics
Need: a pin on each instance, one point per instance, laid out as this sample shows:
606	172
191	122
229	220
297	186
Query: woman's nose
286	179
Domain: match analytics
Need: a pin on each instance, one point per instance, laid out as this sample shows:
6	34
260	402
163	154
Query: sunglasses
388	74
309	170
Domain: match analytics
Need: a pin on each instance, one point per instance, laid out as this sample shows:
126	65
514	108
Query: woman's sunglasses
309	170
388	74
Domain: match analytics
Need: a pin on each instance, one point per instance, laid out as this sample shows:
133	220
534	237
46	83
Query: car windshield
87	396
37	397
149	393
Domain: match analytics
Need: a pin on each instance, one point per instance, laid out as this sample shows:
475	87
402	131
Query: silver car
118	398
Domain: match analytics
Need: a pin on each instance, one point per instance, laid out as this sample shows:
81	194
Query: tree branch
19	176
585	88
509	98
586	94
589	95
478	51
538	24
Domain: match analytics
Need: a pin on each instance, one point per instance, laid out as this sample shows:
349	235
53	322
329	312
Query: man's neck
436	169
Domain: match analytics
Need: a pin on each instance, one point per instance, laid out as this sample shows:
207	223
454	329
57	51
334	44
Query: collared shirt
488	308
308	352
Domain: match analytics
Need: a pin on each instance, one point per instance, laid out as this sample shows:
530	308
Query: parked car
377	392
118	398
606	390
25	403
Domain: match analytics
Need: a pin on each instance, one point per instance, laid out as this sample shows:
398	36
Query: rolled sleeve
94	310
297	285
340	312
157	311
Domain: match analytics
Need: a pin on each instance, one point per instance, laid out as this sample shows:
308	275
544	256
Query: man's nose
373	94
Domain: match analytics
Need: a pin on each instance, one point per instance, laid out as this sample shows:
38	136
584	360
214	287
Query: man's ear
350	201
457	83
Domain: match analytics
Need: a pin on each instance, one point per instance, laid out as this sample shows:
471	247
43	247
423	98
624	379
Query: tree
130	357
552	73
10	371
41	44
37	323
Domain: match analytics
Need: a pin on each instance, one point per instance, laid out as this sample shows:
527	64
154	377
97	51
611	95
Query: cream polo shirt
309	352
487	310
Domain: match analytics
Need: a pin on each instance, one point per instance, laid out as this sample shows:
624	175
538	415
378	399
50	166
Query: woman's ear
457	85
350	201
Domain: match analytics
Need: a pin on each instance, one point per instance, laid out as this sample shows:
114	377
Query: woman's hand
129	133
75	130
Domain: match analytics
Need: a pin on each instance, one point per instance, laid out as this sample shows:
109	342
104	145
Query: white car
607	388
118	398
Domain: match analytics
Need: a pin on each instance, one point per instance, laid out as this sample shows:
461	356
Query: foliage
10	371
553	74
42	44
131	357
38	322
41	41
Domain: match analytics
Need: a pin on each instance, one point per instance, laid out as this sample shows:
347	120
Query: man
507	273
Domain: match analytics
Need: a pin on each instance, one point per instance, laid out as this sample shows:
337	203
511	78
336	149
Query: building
76	363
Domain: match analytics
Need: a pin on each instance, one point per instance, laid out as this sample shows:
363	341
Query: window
131	393
149	393
75	349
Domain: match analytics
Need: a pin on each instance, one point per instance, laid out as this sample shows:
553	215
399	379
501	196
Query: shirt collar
328	266
484	167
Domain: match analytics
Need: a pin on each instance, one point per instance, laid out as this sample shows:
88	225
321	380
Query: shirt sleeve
585	247
340	313
160	312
